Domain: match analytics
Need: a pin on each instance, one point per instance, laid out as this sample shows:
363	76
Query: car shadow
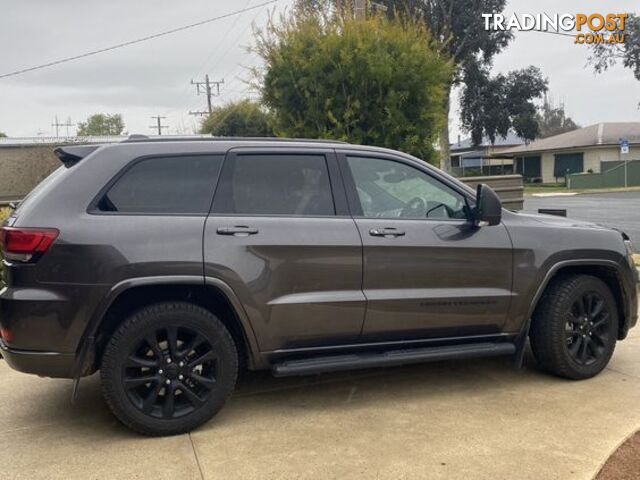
312	393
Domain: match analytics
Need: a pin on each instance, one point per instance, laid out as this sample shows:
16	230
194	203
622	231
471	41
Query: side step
390	358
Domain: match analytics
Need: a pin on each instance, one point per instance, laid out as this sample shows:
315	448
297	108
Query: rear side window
171	185
275	185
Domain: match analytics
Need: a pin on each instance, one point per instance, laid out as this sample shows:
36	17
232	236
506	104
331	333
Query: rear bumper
45	364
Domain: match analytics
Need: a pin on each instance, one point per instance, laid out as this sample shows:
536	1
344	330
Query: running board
389	358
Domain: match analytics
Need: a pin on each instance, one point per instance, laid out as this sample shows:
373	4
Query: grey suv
169	265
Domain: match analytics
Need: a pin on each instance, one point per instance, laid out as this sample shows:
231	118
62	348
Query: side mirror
488	206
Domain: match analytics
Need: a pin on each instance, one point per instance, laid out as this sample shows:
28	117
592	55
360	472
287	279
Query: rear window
165	185
267	184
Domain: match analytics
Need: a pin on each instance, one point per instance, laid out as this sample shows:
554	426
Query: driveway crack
195	454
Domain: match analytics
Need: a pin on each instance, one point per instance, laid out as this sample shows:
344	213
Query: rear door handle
386	232
237	231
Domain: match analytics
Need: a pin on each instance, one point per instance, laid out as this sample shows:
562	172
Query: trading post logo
585	28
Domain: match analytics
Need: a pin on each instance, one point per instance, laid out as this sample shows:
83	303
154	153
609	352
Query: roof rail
166	138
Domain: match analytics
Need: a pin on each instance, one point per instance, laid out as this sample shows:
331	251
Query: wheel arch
605	270
211	293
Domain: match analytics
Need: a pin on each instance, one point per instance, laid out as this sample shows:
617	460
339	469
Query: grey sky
153	78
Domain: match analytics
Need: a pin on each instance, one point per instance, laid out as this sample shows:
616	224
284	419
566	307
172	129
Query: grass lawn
532	188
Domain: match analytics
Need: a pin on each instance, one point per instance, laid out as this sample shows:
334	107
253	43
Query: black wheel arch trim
551	272
86	346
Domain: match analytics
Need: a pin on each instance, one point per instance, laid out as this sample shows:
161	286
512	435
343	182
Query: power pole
158	124
58	124
205	87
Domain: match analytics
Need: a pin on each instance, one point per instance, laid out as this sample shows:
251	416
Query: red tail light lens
22	243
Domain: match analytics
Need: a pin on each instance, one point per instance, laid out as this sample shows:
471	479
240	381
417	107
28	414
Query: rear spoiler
72	154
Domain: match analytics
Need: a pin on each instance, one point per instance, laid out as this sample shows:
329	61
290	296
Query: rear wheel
169	368
574	328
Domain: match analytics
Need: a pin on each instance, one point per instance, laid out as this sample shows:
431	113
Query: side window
172	185
267	184
389	189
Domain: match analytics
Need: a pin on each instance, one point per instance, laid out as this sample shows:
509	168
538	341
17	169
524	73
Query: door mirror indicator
488	210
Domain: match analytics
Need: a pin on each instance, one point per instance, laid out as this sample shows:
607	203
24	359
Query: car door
428	271
280	236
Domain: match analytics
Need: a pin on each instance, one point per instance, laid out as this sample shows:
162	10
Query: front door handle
386	232
237	231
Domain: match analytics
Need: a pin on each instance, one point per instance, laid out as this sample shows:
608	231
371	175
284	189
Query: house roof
599	134
467	143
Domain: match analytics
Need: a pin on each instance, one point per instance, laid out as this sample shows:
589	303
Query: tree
458	29
101	124
244	118
553	120
605	55
374	82
3	135
491	106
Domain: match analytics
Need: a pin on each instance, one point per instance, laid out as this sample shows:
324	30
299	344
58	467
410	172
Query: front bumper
45	364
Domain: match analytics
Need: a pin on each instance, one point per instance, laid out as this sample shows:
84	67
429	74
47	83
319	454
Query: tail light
25	244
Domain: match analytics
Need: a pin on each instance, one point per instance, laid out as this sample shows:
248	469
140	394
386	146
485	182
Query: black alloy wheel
168	368
574	327
588	329
170	372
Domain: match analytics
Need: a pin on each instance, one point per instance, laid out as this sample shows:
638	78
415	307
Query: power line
133	42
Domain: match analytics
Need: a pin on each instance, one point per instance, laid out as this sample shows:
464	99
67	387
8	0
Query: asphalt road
615	209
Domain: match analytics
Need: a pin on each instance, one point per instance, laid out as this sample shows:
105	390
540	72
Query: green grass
530	189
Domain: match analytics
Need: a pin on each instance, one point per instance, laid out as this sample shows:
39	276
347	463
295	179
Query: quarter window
165	185
275	185
390	189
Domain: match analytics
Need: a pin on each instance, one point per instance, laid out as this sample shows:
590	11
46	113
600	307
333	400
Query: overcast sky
152	78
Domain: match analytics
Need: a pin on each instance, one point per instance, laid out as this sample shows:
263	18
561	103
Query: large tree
605	55
3	135
458	28
243	118
375	81
101	124
493	105
553	120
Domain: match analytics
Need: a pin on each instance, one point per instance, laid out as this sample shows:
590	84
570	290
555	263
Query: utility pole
158	124
205	87
58	124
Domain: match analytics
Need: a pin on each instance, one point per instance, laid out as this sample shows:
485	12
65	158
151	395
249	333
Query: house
485	158
592	149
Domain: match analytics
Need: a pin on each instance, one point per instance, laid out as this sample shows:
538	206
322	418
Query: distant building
483	159
595	149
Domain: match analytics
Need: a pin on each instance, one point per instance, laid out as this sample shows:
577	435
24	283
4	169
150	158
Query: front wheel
168	369
574	328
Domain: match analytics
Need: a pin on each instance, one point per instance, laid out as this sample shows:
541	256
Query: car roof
222	144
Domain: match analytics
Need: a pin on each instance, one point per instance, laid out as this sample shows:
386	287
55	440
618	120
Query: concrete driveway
466	419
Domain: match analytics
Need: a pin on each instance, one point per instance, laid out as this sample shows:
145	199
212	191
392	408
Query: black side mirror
488	207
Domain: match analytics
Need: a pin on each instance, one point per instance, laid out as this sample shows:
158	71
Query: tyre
168	368
574	328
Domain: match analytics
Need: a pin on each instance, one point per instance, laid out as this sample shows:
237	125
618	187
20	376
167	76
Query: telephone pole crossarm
158	126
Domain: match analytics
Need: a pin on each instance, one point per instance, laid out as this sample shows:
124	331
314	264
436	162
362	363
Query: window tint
183	184
275	185
388	189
